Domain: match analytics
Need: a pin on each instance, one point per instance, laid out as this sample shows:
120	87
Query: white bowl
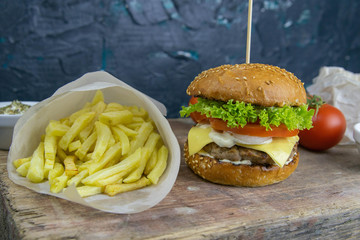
357	135
7	123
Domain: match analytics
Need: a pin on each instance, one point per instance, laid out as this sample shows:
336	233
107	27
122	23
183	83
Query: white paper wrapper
341	89
72	97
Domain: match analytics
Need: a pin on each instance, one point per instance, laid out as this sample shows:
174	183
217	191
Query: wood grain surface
321	199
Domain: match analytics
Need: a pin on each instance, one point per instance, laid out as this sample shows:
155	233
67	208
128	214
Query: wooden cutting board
320	199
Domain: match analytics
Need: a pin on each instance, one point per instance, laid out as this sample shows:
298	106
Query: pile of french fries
102	148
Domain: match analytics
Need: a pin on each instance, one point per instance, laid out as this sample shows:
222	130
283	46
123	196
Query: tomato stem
315	101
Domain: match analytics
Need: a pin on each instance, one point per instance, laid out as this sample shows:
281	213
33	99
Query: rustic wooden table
320	199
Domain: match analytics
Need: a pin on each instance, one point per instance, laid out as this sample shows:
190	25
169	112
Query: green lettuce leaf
237	114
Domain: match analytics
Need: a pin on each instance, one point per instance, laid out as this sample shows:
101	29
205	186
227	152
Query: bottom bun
238	175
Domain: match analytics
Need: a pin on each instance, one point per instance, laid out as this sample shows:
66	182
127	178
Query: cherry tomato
329	126
254	129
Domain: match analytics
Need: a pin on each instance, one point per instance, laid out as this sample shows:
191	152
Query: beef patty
238	153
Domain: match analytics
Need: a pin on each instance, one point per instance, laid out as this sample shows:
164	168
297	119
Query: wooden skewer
248	40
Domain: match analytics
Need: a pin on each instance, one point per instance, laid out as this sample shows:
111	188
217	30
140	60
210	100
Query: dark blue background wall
159	46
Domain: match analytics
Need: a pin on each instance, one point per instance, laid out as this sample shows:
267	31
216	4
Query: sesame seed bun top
254	83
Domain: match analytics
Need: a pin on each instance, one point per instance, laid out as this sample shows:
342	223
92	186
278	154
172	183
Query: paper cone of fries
71	98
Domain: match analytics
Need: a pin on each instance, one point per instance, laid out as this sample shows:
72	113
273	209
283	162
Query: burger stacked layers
248	117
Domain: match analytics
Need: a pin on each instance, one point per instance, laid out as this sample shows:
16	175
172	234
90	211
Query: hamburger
247	121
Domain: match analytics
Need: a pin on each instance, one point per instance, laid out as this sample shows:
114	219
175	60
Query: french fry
138	111
138	120
83	150
88	157
145	155
86	191
98	97
112	153
56	128
116	117
113	161
160	166
137	173
122	138
59	183
112	107
23	169
116	178
78	163
134	125
143	133
111	140
102	142
79	124
125	167
129	132
152	140
97	108
70	167
66	122
50	148
73	146
36	170
77	114
75	180
84	134
18	162
61	154
57	171
114	189
151	162
86	164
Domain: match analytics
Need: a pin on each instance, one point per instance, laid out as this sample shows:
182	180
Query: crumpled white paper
72	97
341	89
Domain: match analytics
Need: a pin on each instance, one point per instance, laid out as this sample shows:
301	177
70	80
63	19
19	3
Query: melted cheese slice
279	149
198	137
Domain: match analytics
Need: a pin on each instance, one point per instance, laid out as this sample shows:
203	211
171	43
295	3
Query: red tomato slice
193	100
253	129
196	116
